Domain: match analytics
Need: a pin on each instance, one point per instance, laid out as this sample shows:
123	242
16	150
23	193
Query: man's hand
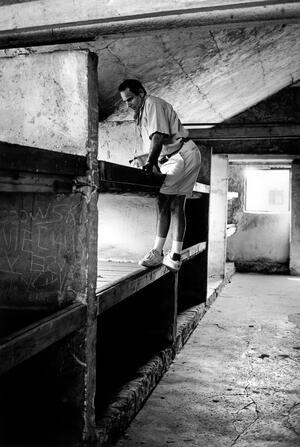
148	168
154	152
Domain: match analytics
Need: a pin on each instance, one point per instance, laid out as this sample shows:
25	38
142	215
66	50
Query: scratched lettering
26	246
38	239
42	236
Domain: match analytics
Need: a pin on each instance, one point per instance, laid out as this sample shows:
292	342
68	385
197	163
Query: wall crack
259	55
212	35
251	404
107	47
190	79
215	42
290	424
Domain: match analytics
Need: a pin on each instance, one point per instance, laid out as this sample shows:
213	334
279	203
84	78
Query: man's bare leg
178	226
155	256
178	218
163	221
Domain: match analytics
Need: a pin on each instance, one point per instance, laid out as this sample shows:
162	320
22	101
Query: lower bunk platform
145	316
125	402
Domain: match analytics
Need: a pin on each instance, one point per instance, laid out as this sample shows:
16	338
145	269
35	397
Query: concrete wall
295	229
127	226
119	142
44	101
217	216
127	223
260	239
47	101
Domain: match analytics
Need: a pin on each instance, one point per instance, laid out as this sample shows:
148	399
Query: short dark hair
134	86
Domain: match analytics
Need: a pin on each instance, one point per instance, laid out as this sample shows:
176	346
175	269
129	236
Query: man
171	151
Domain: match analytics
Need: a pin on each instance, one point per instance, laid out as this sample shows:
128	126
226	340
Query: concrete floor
236	381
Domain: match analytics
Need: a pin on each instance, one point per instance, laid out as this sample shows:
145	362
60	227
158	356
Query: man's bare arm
154	152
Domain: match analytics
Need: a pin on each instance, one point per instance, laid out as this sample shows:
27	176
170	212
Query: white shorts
181	170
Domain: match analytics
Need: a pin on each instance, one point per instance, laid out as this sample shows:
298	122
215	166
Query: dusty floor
237	380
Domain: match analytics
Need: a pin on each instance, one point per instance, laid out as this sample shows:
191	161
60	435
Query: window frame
246	186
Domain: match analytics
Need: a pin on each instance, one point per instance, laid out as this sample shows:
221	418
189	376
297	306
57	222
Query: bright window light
267	191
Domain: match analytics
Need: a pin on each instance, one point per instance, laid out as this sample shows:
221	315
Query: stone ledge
132	396
262	267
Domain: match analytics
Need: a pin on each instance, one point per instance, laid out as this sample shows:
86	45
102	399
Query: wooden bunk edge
32	339
201	188
119	290
190	252
120	178
14	157
124	187
116	177
116	292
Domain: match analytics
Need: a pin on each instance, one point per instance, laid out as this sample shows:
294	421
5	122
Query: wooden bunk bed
50	329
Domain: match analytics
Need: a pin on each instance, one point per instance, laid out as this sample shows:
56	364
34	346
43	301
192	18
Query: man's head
133	93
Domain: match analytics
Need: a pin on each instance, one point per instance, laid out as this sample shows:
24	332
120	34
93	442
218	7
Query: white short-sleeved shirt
157	115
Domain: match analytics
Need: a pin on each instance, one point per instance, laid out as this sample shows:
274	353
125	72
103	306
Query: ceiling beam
246	131
228	15
254	146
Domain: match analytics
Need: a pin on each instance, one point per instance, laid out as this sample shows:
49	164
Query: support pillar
217	216
295	220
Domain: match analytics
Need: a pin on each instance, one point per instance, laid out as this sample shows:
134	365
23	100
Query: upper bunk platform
119	178
14	157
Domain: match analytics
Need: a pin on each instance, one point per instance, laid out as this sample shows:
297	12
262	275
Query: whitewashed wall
44	101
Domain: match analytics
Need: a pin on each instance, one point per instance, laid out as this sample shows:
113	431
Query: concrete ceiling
209	76
208	72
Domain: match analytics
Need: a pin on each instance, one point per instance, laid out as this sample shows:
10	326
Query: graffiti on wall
38	245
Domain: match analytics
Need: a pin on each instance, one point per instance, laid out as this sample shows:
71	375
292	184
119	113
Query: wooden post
48	254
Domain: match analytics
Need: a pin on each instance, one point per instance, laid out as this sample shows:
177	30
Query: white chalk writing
38	241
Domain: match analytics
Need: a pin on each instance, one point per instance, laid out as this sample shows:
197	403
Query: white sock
176	247
159	243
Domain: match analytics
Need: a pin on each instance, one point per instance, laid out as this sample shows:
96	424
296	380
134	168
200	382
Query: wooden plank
117	291
34	182
88	251
193	251
14	157
23	344
111	293
112	266
120	178
230	229
202	188
112	272
114	177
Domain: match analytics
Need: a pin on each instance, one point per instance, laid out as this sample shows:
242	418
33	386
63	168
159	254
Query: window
267	190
